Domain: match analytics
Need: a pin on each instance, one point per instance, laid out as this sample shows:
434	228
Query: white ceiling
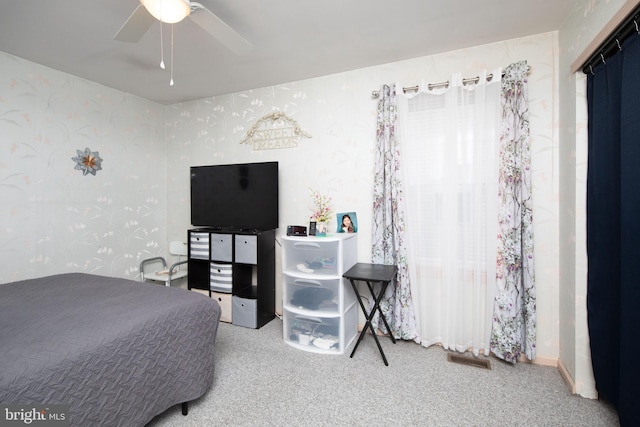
292	39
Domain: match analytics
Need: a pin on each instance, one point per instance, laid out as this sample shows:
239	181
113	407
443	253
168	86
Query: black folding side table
372	273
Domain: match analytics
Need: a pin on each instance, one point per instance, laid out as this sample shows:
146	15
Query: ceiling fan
148	11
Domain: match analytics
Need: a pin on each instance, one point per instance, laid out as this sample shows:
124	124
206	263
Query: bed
118	352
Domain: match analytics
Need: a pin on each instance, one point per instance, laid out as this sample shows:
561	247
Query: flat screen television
235	197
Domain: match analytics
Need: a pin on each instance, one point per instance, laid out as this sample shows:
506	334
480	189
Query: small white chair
155	269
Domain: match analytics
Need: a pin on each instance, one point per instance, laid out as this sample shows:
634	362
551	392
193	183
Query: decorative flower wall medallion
274	130
88	161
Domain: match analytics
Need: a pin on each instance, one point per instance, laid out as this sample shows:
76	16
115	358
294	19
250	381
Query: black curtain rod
629	27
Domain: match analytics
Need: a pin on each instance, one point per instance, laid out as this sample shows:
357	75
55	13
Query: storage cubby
237	268
319	305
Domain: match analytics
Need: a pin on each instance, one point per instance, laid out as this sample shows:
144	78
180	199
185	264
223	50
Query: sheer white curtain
449	140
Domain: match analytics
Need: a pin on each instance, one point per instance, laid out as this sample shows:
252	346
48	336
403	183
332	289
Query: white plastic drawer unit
315	256
316	334
199	245
309	293
221	277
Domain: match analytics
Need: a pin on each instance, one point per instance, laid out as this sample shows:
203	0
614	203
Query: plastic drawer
319	334
312	293
312	256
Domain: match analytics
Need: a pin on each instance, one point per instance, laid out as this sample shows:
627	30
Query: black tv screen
235	197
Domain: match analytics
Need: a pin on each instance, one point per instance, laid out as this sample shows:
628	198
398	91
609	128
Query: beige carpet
261	381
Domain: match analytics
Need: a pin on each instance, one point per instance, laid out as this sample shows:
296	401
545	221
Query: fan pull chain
161	48
171	81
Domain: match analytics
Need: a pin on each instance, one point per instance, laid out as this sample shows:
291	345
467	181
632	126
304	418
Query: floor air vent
471	361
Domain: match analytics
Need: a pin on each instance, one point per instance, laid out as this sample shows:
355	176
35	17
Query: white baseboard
566	376
543	361
556	363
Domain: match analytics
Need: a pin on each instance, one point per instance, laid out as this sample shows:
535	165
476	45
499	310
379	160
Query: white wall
52	218
340	114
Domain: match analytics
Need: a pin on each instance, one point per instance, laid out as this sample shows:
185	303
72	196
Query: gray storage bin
246	249
244	312
221	247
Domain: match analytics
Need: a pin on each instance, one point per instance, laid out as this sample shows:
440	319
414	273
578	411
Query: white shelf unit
319	306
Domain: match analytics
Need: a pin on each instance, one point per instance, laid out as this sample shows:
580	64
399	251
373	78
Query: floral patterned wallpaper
54	219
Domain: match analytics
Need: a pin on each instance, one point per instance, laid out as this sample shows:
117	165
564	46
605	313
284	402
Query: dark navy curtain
613	229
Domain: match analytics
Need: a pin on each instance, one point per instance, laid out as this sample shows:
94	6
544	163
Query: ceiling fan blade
219	29
135	27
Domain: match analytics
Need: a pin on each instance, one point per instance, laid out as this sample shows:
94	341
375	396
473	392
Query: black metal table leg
384	274
364	310
377	301
369	316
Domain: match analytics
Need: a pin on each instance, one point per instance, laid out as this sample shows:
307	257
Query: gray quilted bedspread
118	352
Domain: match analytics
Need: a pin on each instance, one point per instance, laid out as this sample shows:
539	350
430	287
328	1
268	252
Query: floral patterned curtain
388	220
514	319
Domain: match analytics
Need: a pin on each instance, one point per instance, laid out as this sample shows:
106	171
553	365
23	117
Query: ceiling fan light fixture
168	11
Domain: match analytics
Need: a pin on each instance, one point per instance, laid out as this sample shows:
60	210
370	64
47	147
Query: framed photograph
347	222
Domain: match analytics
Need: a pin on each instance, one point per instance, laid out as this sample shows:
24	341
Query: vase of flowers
321	212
